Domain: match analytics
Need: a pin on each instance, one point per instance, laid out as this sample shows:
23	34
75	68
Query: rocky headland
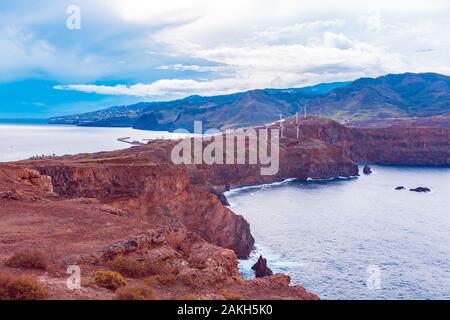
166	226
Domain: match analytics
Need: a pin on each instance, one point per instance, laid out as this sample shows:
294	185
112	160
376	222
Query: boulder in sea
400	188
367	170
261	269
421	189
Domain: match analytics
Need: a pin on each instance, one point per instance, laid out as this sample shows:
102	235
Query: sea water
357	238
19	141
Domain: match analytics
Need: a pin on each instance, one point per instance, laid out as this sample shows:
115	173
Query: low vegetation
29	259
228	295
132	268
162	279
21	288
165	267
193	280
88	282
129	267
136	293
109	280
188	297
199	266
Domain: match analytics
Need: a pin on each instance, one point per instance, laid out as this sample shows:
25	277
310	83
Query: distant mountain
362	101
392	96
226	111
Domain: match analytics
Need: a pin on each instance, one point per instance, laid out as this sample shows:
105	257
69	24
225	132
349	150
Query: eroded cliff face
396	145
401	146
87	232
158	194
144	183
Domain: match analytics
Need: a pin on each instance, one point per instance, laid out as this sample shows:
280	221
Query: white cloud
298	31
338	41
25	54
372	20
167	87
196	68
235	45
270	66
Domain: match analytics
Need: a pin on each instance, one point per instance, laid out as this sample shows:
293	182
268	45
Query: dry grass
199	266
110	280
21	288
228	295
132	268
29	259
88	282
162	279
161	267
191	280
129	267
188	297
136	293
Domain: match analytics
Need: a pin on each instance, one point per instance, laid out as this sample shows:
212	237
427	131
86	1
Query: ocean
25	139
357	238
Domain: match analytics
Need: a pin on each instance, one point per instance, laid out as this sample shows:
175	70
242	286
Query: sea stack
261	269
367	170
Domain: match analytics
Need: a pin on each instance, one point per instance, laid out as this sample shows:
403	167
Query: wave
235	191
332	179
276	262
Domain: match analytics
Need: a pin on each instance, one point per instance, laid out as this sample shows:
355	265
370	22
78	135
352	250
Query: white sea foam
235	191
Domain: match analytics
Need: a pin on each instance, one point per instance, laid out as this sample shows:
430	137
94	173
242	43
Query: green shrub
110	280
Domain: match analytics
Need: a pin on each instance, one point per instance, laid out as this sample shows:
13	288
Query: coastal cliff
395	145
163	255
135	204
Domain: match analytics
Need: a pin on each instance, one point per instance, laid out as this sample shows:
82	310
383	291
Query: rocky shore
134	212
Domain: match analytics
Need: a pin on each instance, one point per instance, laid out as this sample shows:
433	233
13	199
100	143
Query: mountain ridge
393	96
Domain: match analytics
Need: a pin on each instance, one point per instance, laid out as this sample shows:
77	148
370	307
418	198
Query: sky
61	57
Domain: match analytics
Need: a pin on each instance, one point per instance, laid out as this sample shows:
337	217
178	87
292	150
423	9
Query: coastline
246	264
142	184
278	216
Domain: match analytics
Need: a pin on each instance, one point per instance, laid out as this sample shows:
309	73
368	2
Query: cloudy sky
132	50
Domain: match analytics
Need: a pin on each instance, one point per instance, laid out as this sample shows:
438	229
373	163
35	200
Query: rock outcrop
79	231
421	190
261	268
160	194
367	170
